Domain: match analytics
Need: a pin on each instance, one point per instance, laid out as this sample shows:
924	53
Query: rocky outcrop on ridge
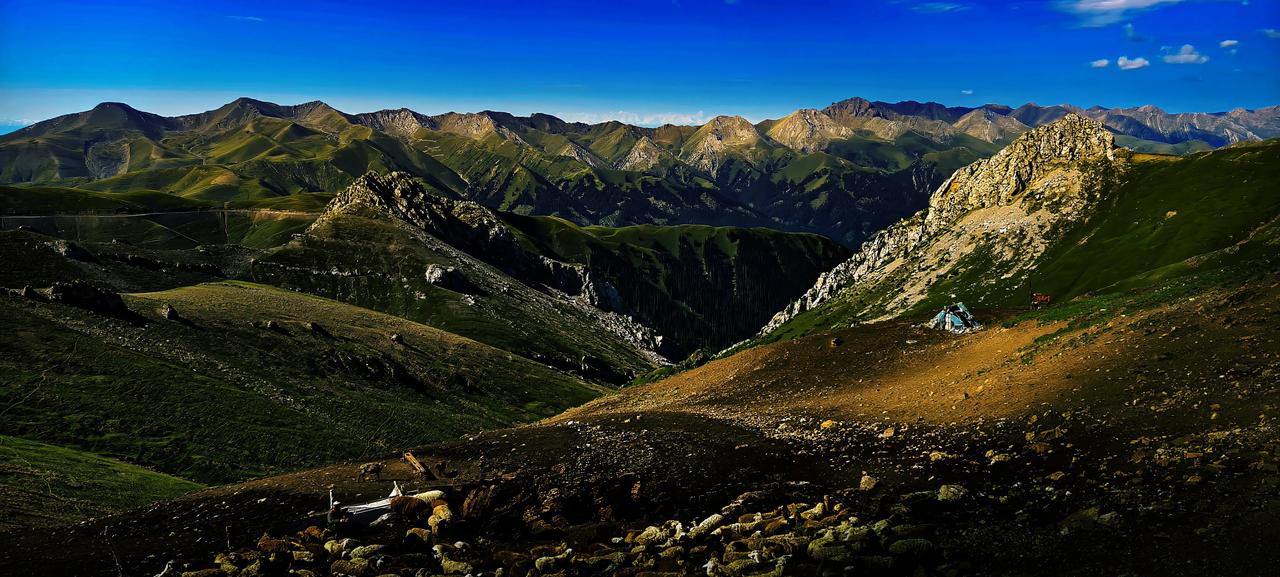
471	232
582	155
708	148
807	130
1043	179
644	155
466	225
476	126
401	122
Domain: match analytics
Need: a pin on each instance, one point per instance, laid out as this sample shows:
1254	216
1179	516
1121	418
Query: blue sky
641	61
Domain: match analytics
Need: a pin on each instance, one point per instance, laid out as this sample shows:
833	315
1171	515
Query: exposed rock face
465	224
1152	123
644	155
985	124
883	121
995	181
449	277
400	122
808	130
1045	178
476	126
472	231
108	158
583	155
708	147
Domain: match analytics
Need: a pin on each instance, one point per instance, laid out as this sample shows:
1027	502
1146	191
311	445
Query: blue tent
955	318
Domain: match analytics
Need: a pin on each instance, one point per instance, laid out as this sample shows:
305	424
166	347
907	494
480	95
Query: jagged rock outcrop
474	233
644	155
711	144
582	155
464	224
476	126
807	130
998	180
1012	204
401	122
448	277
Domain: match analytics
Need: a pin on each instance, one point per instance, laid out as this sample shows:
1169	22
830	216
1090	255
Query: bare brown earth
1132	441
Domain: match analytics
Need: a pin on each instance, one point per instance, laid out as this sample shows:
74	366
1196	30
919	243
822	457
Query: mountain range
845	171
164	342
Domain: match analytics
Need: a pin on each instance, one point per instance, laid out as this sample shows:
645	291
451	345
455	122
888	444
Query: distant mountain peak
476	126
807	130
708	148
113	106
645	154
400	122
990	125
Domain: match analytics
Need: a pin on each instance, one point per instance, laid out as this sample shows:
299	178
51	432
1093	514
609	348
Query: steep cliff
698	287
991	219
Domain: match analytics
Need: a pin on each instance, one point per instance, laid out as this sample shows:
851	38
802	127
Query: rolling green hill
46	200
70	485
221	395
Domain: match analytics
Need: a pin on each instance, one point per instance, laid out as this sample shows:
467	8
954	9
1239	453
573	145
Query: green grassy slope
368	261
1167	211
175	230
43	485
702	287
1168	217
220	397
53	199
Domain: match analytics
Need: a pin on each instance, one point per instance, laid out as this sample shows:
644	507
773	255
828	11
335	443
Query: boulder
83	295
951	493
448	277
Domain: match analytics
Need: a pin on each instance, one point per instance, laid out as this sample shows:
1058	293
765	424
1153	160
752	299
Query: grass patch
219	397
45	485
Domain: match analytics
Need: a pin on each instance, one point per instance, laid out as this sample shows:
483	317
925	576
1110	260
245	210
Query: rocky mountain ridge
479	232
637	283
1025	194
845	171
807	130
715	140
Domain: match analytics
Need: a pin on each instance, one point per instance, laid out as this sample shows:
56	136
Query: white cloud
1228	43
1099	63
248	18
1271	32
967	92
1104	12
1126	64
650	119
939	7
1186	55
